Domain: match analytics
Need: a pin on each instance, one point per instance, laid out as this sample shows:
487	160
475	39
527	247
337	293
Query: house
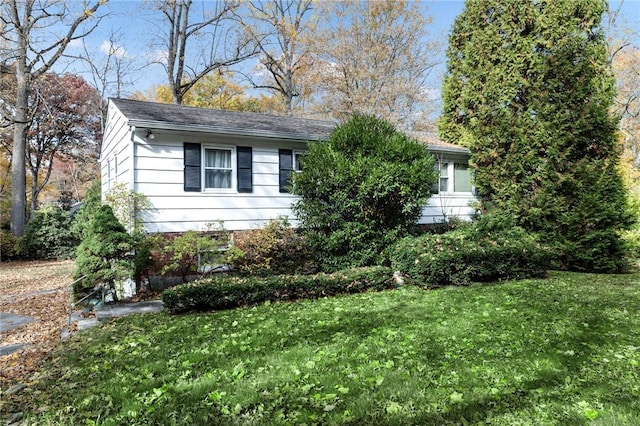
197	166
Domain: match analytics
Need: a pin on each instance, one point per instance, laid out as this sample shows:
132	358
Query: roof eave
160	125
448	149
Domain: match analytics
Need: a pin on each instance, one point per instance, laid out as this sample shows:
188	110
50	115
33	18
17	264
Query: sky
135	28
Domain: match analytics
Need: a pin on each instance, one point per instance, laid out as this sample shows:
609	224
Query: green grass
562	351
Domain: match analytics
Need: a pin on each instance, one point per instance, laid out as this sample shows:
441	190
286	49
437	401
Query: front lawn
560	351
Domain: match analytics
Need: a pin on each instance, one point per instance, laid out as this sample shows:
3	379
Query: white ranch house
197	166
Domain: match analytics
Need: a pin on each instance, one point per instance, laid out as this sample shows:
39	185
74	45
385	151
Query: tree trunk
18	170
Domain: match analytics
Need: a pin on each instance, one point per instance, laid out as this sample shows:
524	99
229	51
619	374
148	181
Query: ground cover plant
565	350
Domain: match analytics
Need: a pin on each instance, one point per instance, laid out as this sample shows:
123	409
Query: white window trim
234	169
297	152
451	177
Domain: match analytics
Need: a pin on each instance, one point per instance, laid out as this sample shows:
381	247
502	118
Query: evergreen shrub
360	191
483	251
9	246
90	205
105	256
227	292
47	235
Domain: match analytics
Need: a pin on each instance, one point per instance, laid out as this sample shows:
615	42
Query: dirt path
39	290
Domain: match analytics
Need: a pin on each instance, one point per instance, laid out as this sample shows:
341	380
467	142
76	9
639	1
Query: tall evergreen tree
529	91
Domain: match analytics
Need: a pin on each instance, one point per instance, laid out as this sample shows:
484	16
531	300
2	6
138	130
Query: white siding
155	168
159	175
444	206
116	161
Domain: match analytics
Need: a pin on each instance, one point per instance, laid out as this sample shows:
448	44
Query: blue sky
135	28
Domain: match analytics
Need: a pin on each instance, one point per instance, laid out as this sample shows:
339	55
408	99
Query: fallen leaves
41	290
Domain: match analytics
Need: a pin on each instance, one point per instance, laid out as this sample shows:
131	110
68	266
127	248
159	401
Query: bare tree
623	44
375	59
35	34
111	69
197	47
281	30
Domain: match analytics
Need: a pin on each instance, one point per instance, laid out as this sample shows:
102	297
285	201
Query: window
461	178
298	160
217	167
218	172
453	177
442	184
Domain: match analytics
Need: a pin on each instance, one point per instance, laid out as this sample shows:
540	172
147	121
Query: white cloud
75	44
113	49
157	56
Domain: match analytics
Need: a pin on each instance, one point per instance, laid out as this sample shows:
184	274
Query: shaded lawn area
560	351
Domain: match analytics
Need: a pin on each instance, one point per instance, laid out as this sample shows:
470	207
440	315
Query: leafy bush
9	245
276	248
192	251
360	191
127	206
482	251
105	255
632	240
230	292
47	235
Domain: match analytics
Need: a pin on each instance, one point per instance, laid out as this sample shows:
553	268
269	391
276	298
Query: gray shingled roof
177	117
434	143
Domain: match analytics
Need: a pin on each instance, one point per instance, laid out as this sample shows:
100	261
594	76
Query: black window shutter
245	164
192	173
286	166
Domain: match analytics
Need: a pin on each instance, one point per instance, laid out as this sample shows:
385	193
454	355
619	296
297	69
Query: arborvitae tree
361	190
529	91
104	256
90	205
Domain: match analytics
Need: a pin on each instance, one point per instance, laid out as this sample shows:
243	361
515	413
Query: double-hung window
462	178
452	177
442	184
210	168
218	170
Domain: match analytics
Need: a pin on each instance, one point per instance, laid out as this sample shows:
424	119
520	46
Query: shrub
127	206
632	239
230	292
360	191
47	235
9	245
480	251
105	256
90	205
547	153
192	252
274	249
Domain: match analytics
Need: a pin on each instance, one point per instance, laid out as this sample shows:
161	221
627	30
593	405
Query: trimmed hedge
229	291
470	254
